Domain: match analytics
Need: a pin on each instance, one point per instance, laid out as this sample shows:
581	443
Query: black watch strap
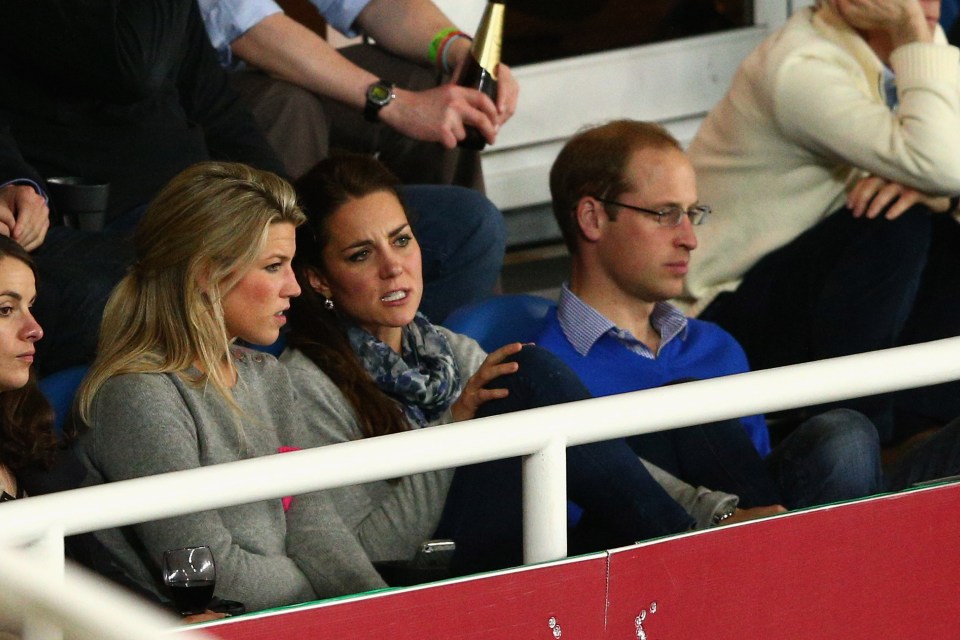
379	95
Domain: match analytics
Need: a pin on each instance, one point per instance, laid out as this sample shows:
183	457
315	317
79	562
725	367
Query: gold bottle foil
486	45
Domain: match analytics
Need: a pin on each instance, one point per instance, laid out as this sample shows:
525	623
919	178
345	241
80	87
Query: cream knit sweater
804	119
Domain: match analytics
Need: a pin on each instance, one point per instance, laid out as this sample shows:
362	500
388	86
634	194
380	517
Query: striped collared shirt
583	325
889	82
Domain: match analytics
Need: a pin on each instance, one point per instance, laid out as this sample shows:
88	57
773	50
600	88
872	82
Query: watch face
379	93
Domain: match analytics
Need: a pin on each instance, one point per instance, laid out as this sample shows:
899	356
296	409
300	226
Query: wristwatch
379	95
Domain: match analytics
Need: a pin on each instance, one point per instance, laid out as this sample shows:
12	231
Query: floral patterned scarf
424	378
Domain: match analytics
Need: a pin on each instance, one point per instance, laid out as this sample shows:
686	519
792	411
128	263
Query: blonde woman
169	390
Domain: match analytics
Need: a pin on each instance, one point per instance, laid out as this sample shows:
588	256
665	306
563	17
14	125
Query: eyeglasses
669	216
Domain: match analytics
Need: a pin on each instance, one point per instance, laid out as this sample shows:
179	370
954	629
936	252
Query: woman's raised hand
474	394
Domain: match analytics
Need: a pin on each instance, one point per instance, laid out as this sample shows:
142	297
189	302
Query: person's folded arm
320	541
821	108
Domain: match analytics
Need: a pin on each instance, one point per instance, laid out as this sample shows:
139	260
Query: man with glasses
625	198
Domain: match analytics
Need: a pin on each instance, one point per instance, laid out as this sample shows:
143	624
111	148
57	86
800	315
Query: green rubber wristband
434	49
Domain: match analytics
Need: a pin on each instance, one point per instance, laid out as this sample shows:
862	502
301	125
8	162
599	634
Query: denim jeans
622	503
836	456
719	456
850	285
831	457
461	233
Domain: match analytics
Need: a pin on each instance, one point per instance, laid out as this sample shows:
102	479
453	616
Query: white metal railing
85	605
541	435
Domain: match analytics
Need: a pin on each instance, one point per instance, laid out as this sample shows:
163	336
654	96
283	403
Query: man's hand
206	616
755	513
24	215
443	113
406	28
873	195
902	20
507	93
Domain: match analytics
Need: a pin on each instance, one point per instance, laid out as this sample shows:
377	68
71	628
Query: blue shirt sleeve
341	14
227	20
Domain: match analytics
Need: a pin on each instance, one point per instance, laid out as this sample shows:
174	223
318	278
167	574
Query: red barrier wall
882	568
888	567
515	604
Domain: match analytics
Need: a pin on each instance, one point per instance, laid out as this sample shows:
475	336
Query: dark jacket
124	91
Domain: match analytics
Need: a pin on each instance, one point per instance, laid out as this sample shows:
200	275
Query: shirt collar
890	88
583	325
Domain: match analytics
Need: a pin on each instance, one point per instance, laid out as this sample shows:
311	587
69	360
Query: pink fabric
288	500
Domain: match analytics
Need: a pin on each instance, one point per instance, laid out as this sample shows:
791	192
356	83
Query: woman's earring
328	304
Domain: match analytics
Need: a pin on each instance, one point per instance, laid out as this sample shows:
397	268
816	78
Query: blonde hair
200	234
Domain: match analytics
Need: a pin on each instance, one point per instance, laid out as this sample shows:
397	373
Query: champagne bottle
480	68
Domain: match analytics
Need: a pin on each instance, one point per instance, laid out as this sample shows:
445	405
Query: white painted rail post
545	503
47	553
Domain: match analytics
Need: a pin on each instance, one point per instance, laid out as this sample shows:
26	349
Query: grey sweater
144	424
390	519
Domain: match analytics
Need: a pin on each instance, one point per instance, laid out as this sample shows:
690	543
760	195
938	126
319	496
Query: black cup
82	202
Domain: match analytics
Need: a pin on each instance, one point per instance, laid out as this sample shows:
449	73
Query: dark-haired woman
28	444
33	460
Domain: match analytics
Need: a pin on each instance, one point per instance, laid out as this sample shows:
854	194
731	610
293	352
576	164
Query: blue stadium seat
274	349
497	321
60	388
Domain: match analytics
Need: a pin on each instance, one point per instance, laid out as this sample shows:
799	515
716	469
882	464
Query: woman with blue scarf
360	349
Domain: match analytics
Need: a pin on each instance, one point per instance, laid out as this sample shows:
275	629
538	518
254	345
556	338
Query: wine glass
190	575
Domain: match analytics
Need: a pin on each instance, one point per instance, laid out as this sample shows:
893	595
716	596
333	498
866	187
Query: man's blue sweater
704	351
